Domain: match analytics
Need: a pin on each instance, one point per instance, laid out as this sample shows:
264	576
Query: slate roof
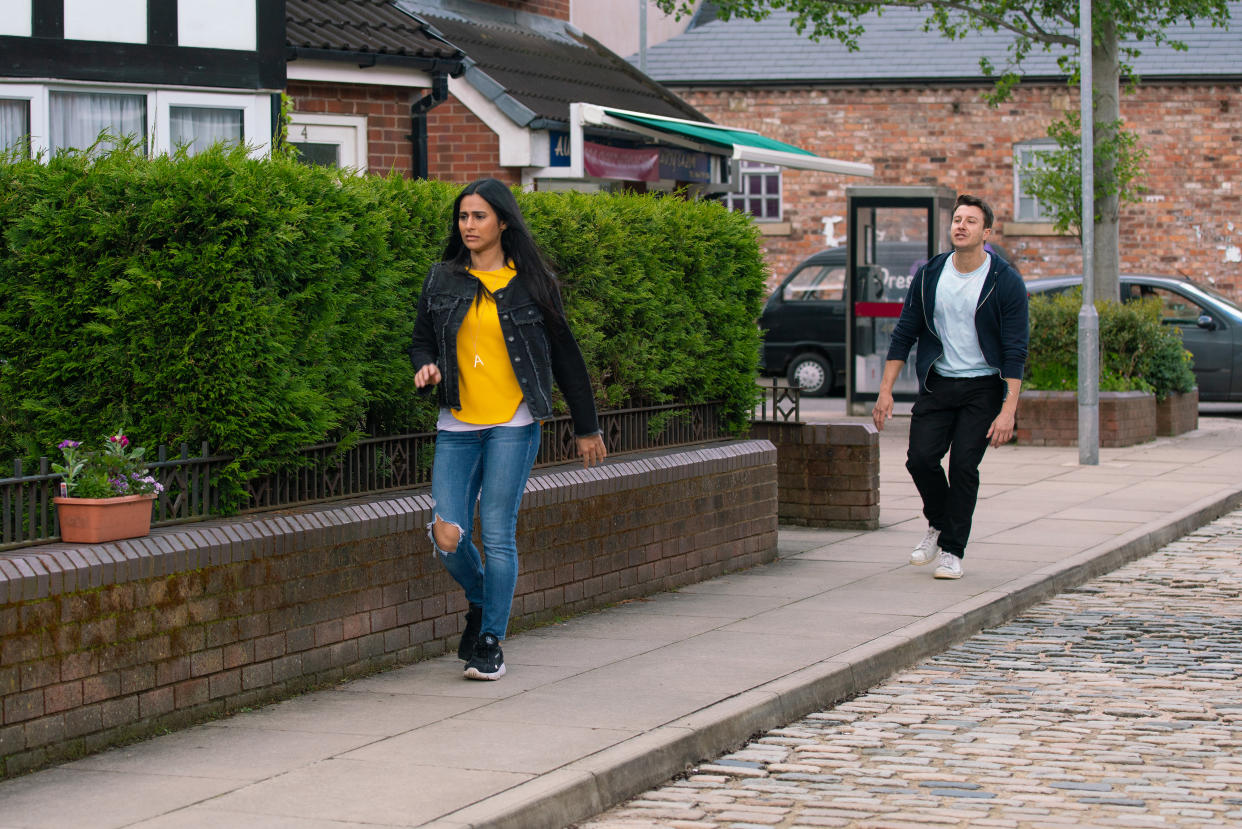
360	28
894	49
534	67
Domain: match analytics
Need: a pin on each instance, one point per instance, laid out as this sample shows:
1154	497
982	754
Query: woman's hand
428	375
592	450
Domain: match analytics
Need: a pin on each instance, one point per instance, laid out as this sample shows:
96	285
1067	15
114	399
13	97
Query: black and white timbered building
170	73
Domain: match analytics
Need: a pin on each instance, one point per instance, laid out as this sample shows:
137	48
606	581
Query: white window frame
256	116
739	201
36	96
1021	164
349	131
256	112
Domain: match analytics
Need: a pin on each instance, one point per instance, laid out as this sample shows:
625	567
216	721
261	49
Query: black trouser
954	413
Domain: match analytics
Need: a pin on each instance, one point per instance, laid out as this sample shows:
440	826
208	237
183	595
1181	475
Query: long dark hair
515	240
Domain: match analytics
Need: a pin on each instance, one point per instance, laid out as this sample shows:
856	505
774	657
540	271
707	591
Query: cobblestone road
1116	704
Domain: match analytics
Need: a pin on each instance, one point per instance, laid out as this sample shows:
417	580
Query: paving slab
603	706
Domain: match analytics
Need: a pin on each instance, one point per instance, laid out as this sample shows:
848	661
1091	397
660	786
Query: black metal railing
781	402
331	471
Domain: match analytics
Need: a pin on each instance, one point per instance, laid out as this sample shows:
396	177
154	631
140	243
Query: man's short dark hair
975	201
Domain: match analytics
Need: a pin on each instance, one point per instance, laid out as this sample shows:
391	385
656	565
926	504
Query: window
330	140
197	128
14	123
1026	159
65	115
816	282
1175	309
761	192
78	118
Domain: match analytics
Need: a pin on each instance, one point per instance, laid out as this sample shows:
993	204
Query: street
1115	704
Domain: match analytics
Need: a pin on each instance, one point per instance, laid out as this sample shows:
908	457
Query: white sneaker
927	549
948	566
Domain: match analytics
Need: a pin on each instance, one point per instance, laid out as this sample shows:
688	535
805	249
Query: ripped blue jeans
489	466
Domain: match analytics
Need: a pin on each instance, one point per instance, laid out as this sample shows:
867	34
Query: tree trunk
1106	69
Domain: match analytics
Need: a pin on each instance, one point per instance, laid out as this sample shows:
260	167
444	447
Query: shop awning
739	144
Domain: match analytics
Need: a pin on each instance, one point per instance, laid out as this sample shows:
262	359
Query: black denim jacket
538	352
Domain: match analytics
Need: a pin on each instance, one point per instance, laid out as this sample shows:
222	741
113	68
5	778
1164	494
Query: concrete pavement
604	706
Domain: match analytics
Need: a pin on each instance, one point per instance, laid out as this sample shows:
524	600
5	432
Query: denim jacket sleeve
423	347
572	377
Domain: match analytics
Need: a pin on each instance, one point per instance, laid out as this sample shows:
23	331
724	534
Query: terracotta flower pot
92	520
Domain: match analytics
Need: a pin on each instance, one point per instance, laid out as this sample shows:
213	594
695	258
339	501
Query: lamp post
1088	319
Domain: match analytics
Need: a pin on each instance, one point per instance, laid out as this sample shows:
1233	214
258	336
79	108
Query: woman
491	333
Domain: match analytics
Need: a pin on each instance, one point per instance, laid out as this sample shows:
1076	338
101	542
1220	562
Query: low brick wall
106	642
827	475
1050	418
1177	414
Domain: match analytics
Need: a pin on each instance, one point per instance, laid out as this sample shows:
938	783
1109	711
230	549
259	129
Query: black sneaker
469	636
488	661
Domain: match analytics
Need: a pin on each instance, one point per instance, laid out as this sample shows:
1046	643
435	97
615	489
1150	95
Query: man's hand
883	410
428	375
592	450
1001	430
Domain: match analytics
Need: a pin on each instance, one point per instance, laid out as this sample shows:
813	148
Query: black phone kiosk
892	232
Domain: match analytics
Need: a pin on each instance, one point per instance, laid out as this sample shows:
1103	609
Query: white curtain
197	128
14	123
79	117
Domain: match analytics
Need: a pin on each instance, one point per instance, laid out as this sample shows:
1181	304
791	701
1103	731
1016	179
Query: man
967	311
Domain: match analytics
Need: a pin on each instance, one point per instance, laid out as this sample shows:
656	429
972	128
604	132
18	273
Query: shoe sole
939	574
475	673
921	563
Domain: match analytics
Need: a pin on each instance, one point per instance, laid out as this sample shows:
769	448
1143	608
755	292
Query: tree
1118	28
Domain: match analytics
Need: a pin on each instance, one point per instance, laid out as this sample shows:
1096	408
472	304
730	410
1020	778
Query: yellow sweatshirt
489	389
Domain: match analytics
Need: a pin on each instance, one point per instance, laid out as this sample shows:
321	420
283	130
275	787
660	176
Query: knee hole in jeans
445	535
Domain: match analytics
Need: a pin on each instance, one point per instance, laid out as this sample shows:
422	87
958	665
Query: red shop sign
599	161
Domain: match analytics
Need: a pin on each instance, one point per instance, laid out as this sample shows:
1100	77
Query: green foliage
662	295
1137	352
264	305
1056	180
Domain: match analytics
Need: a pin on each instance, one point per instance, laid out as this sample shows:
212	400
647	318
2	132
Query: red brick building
911	104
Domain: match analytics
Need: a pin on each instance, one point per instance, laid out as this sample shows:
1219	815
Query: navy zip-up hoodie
1000	319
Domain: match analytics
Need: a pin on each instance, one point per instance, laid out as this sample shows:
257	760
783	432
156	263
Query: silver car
1211	325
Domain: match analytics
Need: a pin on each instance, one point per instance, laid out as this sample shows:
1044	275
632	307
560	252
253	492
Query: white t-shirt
957	297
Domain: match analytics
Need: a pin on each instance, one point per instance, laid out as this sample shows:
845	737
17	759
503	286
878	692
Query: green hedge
264	305
1137	352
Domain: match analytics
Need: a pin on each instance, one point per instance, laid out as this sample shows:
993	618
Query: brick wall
1178	413
102	643
1050	418
827	475
463	148
387	110
1186	224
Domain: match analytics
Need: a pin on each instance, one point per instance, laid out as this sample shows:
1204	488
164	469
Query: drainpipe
418	120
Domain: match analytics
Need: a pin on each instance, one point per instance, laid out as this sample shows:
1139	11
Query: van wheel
812	372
